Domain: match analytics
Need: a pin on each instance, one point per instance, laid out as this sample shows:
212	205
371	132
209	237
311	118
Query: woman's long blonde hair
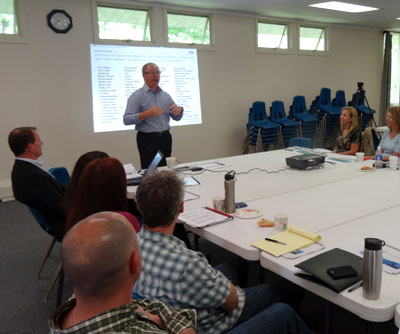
354	117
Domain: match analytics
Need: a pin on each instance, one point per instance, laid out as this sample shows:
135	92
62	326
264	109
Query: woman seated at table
390	142
82	162
101	187
349	140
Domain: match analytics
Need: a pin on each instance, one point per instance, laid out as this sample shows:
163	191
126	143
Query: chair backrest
43	222
277	111
300	141
340	99
61	174
357	100
299	105
325	97
369	141
257	112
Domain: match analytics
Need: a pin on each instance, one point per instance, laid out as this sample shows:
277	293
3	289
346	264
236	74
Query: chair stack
261	131
289	127
298	111
340	99
329	119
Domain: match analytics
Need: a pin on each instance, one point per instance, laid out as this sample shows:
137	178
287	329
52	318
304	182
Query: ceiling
384	18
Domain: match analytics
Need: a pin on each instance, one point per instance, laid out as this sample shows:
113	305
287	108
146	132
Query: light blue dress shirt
389	146
143	99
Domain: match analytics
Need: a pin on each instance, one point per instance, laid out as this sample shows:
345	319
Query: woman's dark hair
82	162
101	187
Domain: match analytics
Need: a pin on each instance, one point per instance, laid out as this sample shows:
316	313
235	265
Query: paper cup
219	203
281	221
360	156
171	162
393	161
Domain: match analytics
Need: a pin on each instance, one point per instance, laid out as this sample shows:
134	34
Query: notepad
203	217
294	238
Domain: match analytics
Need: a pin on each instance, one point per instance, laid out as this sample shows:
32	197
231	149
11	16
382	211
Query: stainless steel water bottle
229	184
372	268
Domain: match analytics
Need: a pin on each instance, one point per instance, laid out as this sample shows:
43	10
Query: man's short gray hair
144	68
159	198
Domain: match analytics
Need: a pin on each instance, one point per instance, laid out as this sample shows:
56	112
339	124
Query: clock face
59	21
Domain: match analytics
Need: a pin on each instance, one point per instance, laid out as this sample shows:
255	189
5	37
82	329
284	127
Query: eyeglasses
153	73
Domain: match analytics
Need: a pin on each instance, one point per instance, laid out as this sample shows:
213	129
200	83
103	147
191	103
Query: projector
305	161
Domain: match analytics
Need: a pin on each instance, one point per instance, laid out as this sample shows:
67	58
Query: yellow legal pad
294	238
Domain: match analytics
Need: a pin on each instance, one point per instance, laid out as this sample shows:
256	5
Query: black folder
318	265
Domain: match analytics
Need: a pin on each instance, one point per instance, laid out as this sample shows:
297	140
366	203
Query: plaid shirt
126	319
183	278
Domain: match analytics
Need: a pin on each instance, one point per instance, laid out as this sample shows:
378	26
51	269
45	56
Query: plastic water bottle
229	185
378	158
372	268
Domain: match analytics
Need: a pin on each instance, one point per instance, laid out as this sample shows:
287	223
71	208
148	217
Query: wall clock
59	21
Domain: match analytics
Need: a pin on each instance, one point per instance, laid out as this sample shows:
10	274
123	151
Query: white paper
189	196
202	218
213	165
131	172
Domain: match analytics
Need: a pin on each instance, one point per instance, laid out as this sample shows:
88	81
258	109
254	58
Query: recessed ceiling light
343	7
398	18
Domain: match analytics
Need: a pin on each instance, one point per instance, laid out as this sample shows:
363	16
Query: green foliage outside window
188	29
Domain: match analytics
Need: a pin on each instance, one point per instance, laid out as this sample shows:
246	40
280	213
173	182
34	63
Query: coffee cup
171	162
393	161
360	156
281	221
219	203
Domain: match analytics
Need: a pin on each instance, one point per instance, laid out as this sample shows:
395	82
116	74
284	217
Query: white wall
46	83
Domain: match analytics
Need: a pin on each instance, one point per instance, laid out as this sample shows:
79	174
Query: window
274	36
188	29
395	70
8	17
312	39
123	23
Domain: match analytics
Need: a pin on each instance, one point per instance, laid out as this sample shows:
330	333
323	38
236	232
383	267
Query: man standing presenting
101	256
150	108
31	183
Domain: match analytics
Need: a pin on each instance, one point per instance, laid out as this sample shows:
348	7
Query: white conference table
334	201
315	209
350	236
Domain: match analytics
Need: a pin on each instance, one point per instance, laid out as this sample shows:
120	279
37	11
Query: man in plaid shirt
183	278
102	258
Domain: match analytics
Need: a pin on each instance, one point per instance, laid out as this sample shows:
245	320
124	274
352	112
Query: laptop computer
152	167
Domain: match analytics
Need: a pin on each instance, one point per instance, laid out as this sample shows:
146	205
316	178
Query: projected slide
117	73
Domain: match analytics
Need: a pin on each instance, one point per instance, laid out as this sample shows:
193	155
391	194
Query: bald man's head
96	253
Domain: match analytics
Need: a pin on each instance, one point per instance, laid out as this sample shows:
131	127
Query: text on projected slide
117	73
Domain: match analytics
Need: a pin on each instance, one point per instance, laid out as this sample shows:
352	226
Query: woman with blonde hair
390	142
349	140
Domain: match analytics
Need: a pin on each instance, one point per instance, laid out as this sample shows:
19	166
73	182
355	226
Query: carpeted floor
23	308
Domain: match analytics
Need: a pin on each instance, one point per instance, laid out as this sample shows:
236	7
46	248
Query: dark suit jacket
35	187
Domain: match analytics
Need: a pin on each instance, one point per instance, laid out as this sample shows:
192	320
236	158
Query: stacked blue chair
340	99
365	114
298	111
288	126
300	141
329	119
259	126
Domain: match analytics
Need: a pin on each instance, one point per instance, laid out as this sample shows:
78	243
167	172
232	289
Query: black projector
305	161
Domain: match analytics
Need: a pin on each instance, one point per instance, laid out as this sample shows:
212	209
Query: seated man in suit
101	256
183	278
32	184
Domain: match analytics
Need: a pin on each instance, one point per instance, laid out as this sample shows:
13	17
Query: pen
220	212
278	242
359	284
392	264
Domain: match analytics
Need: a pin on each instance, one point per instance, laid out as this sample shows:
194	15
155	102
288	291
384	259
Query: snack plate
247	213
